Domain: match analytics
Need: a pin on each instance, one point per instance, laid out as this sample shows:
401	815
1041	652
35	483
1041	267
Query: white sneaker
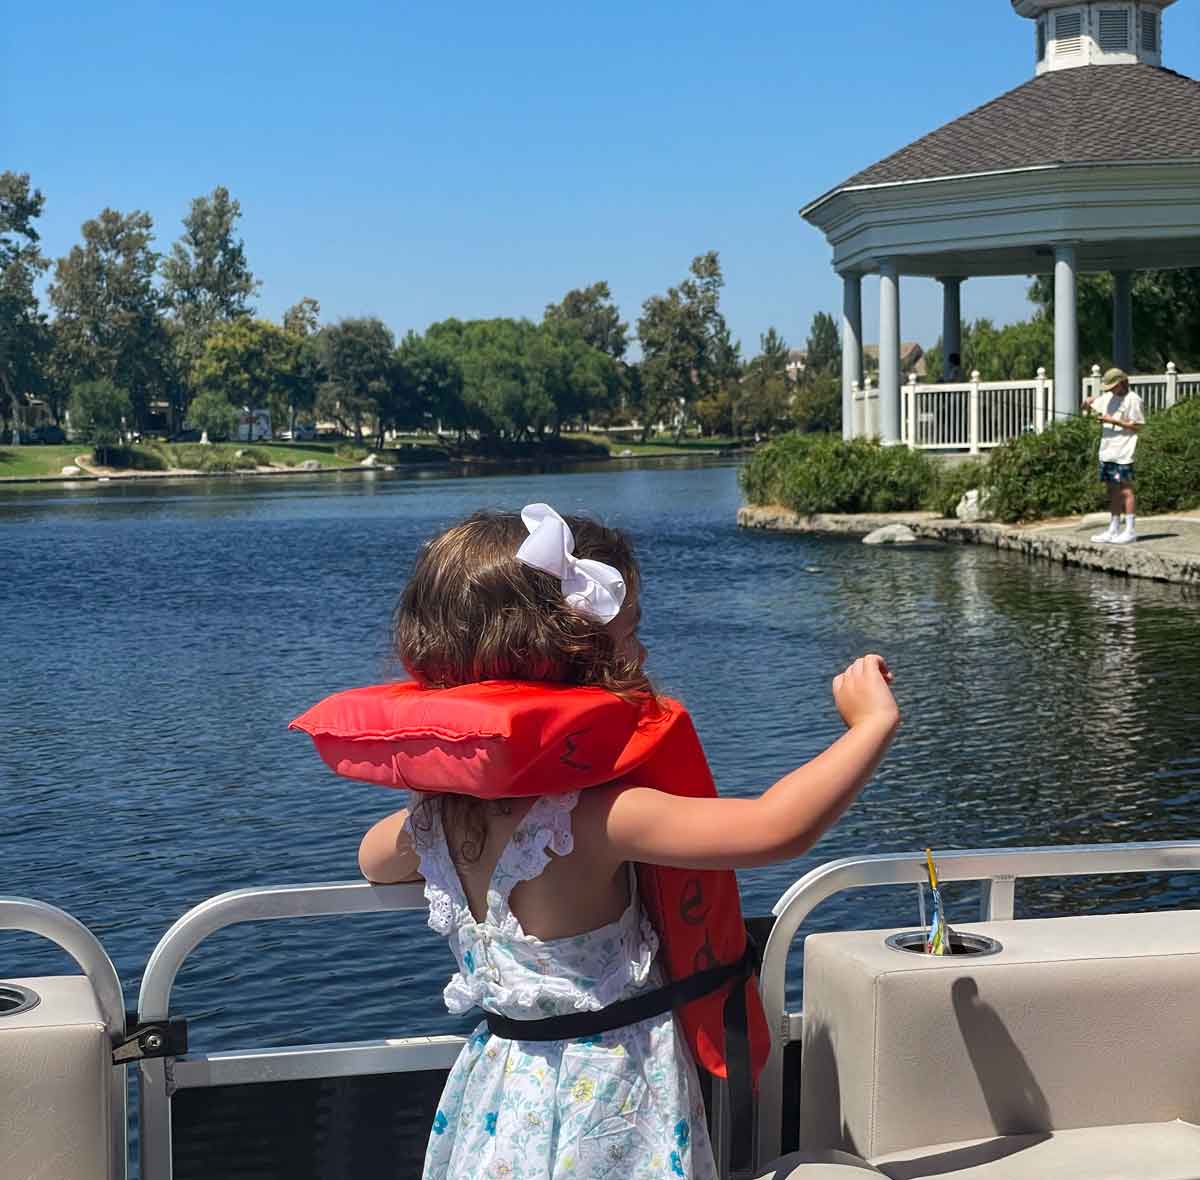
1109	534
1124	537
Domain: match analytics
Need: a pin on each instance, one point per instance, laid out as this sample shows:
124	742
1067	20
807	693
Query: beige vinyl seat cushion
1144	1151
1141	1151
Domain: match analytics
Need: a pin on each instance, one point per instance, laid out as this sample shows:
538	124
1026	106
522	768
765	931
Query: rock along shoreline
1169	552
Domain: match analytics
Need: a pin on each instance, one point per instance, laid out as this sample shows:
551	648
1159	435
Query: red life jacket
506	739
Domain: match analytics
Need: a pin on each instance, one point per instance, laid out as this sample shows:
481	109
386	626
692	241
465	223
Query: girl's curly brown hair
471	611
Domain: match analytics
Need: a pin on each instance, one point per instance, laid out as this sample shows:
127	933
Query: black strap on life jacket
637	1008
655	1002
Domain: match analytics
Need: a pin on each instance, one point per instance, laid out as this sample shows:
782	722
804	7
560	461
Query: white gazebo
1092	165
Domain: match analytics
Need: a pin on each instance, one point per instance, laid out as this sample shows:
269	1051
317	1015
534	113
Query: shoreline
1168	549
450	466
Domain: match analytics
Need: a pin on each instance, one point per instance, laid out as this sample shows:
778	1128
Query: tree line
158	340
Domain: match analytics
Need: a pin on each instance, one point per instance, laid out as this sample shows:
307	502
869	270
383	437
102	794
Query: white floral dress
622	1104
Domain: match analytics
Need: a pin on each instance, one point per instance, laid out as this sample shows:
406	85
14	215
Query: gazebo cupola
1101	32
1091	165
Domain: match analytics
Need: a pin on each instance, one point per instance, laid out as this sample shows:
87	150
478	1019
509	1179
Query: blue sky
416	161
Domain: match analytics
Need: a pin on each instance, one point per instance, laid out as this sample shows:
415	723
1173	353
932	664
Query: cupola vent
1114	30
1150	32
1068	33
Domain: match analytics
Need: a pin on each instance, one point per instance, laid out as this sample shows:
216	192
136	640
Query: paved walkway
1168	548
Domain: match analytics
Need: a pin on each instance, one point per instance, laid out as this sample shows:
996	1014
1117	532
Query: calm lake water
157	639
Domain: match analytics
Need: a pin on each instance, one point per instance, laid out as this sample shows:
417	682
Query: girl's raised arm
653	827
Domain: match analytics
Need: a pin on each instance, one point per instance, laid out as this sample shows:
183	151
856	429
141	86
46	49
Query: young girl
536	894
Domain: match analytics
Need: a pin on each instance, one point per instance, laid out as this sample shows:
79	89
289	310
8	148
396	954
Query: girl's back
625	1102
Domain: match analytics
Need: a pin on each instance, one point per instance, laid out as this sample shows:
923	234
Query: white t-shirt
1117	444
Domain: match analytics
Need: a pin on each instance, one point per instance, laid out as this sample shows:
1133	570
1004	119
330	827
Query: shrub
134	458
824	473
951	481
1168	460
1049	474
190	455
99	411
261	457
218	462
350	452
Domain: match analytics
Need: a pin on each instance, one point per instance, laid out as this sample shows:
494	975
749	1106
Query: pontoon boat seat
55	1083
1073	1051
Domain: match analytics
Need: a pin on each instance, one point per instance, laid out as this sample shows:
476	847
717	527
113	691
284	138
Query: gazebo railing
1157	391
973	415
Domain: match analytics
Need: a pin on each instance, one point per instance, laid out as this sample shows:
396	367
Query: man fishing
1122	417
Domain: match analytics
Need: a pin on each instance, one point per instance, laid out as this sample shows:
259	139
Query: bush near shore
824	473
1035	476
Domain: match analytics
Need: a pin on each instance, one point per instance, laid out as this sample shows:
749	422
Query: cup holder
961	943
14	999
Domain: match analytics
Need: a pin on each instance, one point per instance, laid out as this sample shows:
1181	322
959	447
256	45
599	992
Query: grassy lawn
26	461
37	460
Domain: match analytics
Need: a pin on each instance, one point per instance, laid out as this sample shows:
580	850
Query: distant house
912	360
797	363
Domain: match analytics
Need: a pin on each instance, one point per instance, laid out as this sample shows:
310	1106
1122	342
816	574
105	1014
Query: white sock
1129	522
1114	522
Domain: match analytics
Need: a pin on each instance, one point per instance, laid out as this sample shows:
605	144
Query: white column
1066	335
852	370
1123	319
951	319
889	353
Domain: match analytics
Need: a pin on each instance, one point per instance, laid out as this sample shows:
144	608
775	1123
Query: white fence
1157	393
977	415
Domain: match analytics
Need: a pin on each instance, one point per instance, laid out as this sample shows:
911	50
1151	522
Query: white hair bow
591	588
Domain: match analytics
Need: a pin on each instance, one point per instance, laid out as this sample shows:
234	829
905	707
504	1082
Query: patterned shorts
1116	472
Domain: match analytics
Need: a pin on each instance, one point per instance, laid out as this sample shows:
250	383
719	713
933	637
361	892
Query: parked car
48	434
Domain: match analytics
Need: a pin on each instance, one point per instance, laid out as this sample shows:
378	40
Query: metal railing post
1172	385
1039	402
973	414
910	401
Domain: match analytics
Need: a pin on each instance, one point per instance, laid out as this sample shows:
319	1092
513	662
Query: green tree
100	412
579	379
356	356
211	412
252	363
824	347
24	341
303	322
816	404
762	398
686	348
303	318
433	362
592	311
1166	318
1014	352
503	384
206	279
109	324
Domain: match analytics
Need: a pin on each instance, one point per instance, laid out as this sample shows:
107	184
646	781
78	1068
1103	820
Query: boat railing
72	936
997	871
161	1078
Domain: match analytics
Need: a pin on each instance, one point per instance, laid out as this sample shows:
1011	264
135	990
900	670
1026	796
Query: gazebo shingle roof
1088	114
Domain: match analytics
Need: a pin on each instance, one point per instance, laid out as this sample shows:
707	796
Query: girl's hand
861	693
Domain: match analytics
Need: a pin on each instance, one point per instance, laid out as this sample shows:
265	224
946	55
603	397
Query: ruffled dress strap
448	905
544	829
